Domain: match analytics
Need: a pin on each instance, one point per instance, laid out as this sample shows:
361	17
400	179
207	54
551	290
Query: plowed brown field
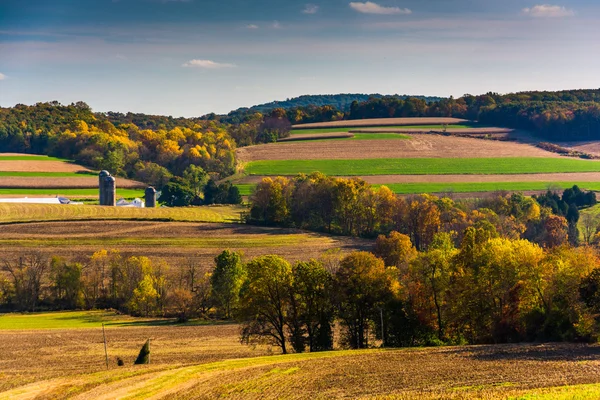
39	166
85	181
382	122
171	241
419	146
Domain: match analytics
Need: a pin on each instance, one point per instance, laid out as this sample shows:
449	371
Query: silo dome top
109	179
150	189
104	173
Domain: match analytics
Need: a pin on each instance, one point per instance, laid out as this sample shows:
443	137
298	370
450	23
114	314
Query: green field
58	212
121	193
351	128
423	166
70	320
31	158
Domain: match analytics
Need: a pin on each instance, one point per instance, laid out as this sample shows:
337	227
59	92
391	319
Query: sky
192	57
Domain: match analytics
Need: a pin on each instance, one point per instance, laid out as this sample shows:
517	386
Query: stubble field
207	361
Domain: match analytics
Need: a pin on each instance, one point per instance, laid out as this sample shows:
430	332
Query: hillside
340	101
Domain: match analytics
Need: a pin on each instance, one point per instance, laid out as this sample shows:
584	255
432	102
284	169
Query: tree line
488	289
355	208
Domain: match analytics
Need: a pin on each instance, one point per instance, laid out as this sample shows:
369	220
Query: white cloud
251	26
374	8
548	11
310	9
2	76
276	25
206	64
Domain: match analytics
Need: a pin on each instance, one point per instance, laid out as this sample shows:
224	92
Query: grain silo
101	186
110	191
150	197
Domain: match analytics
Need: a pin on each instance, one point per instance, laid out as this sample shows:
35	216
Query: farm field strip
72	320
383	122
297	131
464	187
58	212
83	182
68	192
39	174
25	157
422	166
237	242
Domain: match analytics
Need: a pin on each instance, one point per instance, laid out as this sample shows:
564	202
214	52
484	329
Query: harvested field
206	362
419	146
83	181
171	241
590	147
40	166
10	213
462	131
317	136
382	122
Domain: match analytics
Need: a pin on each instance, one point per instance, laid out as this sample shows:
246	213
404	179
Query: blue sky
191	57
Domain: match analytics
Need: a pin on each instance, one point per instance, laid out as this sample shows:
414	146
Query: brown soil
382	122
590	147
85	181
461	131
39	166
317	136
177	240
419	146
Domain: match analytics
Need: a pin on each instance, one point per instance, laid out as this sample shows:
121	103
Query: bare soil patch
39	166
591	147
419	146
382	122
461	131
85	181
317	136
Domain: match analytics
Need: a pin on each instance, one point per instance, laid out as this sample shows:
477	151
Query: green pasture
31	158
71	192
423	166
71	320
343	129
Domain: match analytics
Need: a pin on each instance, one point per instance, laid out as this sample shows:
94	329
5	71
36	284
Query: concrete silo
101	177
150	197
110	191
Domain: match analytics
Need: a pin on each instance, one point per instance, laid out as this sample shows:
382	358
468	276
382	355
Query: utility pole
382	328
105	348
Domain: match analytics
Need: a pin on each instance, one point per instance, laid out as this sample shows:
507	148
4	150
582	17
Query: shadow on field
532	352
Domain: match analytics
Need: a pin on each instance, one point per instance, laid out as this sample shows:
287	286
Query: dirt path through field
418	146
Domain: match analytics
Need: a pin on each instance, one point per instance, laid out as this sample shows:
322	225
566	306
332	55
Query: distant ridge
340	101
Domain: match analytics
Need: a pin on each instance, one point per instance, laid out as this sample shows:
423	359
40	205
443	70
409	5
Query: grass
58	212
70	192
423	166
233	242
466	187
349	128
31	158
71	320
